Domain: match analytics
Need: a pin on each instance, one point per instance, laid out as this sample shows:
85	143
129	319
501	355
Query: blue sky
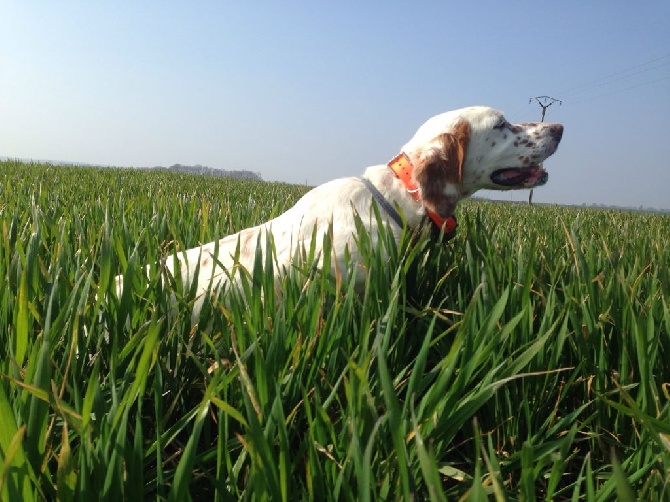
307	92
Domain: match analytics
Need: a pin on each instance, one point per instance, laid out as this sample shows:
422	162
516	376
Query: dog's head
457	153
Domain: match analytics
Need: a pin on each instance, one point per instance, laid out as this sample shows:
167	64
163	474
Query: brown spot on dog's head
441	164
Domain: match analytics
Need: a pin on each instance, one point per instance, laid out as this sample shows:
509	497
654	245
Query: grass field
527	359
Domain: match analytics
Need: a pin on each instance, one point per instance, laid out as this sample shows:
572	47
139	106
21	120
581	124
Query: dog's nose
556	132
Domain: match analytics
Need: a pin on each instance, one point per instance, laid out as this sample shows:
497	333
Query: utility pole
544	102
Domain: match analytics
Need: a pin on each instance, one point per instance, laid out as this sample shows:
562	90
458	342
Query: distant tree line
212	171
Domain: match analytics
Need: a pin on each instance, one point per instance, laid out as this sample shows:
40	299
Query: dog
450	157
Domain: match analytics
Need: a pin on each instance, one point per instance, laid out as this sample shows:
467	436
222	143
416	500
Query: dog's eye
500	125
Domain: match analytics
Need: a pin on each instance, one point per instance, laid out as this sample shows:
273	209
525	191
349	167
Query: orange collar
402	167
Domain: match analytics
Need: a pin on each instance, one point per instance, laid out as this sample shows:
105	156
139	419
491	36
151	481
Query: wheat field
526	359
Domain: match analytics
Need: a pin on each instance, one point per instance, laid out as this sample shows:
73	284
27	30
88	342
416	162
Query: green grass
527	359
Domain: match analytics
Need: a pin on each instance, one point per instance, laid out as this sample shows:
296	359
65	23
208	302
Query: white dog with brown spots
450	157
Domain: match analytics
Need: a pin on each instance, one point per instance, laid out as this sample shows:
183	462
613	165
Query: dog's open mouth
526	177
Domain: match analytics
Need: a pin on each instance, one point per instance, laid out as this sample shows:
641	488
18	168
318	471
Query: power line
598	96
572	90
515	113
592	86
608	79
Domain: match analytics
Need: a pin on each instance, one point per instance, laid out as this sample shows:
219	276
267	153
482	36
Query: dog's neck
402	167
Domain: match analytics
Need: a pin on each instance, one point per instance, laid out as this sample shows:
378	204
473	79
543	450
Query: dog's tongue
516	176
538	174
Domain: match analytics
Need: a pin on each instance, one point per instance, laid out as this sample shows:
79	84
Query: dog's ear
438	169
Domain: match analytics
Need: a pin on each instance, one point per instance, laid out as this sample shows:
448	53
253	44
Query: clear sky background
304	92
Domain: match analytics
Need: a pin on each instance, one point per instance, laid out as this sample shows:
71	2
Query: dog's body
451	156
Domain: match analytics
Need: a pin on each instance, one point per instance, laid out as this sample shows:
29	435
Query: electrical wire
599	81
617	91
612	78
